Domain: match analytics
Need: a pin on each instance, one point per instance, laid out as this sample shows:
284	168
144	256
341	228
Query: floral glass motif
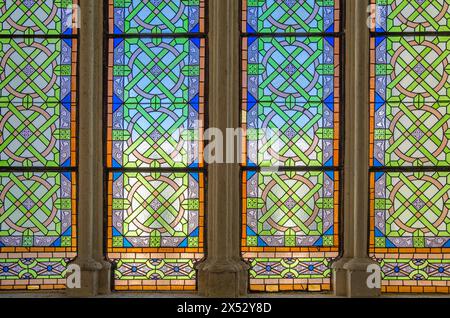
291	119
38	138
410	148
155	115
410	16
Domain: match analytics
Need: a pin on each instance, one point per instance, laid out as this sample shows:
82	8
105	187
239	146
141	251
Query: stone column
223	273
95	271
350	272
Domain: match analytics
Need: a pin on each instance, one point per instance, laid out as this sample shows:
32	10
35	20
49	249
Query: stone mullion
350	272
223	273
95	271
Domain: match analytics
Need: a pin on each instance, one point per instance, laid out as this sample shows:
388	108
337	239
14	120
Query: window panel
38	143
37	135
158	71
290	209
409	113
291	118
412	68
411	209
414	15
155	17
37	70
290	16
37	210
410	101
292	88
45	17
299	68
156	136
35	270
158	87
157	220
154	156
152	210
293	271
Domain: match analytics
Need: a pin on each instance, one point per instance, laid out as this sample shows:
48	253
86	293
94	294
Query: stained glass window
410	119
155	115
38	155
291	118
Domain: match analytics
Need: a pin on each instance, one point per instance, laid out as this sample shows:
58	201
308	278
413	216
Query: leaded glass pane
158	71
36	209
155	17
158	98
408	135
37	213
410	214
411	209
157	210
410	102
412	15
290	16
37	70
44	17
39	135
292	209
156	136
412	69
291	94
35	270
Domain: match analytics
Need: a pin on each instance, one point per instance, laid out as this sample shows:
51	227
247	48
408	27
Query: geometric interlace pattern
410	121
413	15
161	16
290	114
38	127
156	102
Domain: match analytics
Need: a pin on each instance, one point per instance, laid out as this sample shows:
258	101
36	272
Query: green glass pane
155	17
44	17
288	16
412	15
